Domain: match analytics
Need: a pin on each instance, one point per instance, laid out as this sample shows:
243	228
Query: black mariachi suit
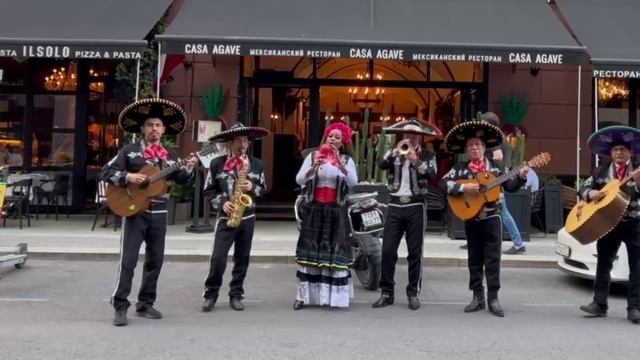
221	184
405	217
484	234
150	227
628	230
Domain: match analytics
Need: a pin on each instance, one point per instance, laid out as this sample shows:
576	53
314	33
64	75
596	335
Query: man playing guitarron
483	232
619	143
153	118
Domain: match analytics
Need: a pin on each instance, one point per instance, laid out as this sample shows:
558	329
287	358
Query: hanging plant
212	101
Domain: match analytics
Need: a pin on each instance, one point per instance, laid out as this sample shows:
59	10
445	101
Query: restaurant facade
293	68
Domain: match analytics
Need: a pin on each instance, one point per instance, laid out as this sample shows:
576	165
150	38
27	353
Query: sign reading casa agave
490	55
71	51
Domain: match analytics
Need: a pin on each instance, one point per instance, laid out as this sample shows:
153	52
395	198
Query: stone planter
178	211
552	207
519	204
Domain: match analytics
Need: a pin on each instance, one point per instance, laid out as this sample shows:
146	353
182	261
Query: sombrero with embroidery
133	116
456	139
239	129
601	142
413	126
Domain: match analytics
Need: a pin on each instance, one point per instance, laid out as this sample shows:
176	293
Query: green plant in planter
549	180
182	193
212	101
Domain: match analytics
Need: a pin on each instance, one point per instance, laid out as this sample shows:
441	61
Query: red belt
325	195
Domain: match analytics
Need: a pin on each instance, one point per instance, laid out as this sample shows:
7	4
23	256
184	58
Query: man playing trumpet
409	168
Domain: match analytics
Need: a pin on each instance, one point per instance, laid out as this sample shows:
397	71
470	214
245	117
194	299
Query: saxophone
240	200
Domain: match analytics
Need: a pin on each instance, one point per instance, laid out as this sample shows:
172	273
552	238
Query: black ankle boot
384	300
477	303
494	304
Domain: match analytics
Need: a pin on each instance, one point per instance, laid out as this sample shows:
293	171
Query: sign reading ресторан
617	73
490	55
71	51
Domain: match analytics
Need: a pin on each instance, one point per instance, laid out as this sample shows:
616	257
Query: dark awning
112	29
511	31
608	29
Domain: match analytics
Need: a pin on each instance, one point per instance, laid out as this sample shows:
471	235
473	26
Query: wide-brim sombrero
239	129
456	139
133	116
414	127
601	142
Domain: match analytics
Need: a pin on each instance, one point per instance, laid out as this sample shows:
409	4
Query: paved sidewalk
274	241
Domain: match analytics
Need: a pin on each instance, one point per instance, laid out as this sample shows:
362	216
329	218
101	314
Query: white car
581	260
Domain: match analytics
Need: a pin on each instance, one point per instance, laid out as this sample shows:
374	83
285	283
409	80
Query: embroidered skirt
324	256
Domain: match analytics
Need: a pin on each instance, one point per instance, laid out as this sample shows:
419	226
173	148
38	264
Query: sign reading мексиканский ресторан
71	51
491	55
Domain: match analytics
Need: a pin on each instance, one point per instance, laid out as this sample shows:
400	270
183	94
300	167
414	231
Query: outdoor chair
437	204
101	202
16	205
536	209
59	192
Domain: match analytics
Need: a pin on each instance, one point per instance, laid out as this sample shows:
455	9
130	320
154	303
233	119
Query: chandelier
609	89
366	97
63	79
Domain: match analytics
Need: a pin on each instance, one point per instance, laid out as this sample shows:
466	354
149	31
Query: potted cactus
368	148
514	109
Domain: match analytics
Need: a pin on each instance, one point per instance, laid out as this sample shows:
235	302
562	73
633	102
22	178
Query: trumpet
404	148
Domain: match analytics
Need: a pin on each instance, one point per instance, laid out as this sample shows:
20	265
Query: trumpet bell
404	149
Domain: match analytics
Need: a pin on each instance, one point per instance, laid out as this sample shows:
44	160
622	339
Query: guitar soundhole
144	185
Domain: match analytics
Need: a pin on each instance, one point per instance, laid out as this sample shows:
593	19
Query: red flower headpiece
344	129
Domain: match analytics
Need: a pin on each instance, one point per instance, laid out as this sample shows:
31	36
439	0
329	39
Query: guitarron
590	221
469	206
134	199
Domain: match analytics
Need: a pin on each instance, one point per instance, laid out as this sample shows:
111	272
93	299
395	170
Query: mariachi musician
153	118
484	232
410	168
619	143
232	178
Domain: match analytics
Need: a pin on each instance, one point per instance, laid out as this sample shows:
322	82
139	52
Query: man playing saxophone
234	181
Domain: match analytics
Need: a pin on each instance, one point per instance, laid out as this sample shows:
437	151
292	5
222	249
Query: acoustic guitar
134	199
590	221
469	206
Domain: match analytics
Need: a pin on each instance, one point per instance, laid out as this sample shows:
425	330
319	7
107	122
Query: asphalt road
60	310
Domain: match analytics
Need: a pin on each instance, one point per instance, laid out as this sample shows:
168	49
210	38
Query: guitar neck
175	167
505	177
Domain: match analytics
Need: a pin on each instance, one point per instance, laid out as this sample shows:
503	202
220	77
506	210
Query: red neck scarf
621	170
156	151
477	166
233	163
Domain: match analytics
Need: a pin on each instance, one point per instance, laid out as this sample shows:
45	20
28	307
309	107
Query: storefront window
613	102
53	125
11	123
12	74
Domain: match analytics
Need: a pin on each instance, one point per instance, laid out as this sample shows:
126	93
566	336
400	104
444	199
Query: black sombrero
413	126
456	139
239	129
602	141
133	116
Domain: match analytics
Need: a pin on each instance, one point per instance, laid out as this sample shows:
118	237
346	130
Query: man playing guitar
153	118
619	143
484	232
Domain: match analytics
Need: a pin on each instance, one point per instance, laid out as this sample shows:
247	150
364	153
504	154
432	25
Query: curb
513	261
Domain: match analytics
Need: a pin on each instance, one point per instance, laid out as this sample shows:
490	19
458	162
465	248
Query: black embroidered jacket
605	173
222	183
130	159
424	170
